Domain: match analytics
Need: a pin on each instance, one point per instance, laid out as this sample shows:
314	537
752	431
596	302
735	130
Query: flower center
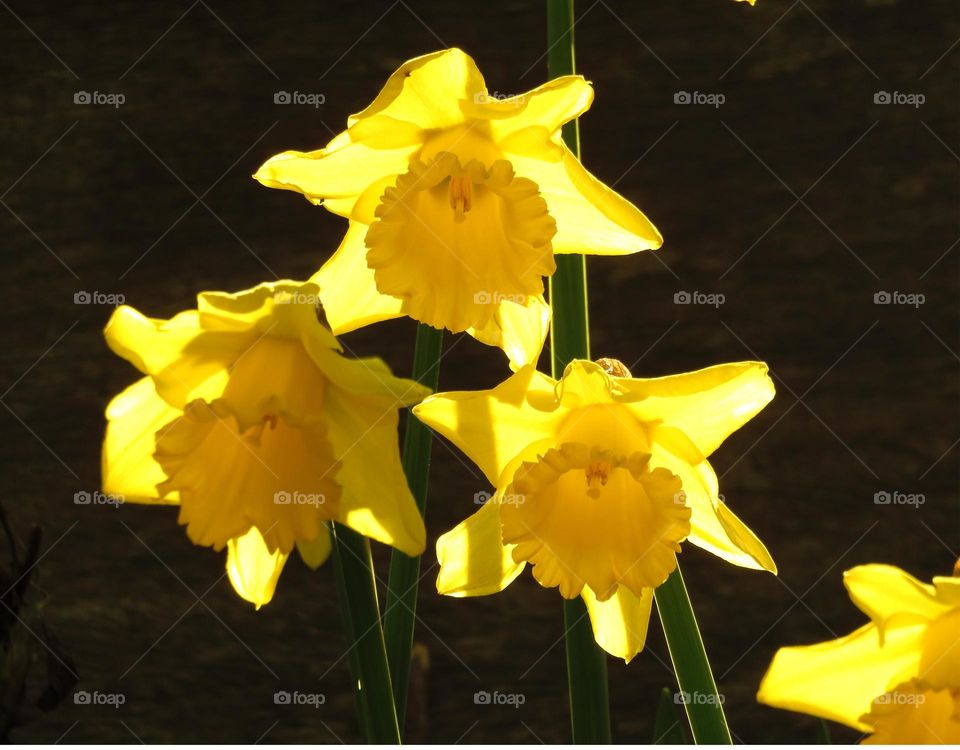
454	240
622	526
277	474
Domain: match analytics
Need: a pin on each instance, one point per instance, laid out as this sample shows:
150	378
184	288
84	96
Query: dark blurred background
798	198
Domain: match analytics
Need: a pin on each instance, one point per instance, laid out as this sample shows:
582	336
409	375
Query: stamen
271	420
461	195
598	473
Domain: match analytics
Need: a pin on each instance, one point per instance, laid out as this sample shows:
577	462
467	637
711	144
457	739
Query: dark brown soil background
106	199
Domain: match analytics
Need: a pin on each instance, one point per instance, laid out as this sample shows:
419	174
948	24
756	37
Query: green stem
398	620
704	707
357	593
569	340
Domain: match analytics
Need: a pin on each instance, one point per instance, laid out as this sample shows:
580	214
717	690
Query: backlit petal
620	623
519	330
885	593
253	569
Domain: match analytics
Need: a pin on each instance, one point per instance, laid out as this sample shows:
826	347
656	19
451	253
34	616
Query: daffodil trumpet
458	201
896	678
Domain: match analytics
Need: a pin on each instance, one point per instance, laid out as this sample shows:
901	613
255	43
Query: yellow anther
461	195
598	472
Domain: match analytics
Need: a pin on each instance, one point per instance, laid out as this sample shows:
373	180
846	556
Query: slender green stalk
357	593
570	339
703	705
398	619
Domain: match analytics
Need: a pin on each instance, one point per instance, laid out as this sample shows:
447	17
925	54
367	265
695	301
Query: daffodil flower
897	677
458	199
252	421
598	480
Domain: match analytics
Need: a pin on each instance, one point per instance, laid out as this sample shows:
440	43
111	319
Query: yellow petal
253	569
948	589
885	593
129	468
348	289
839	679
339	175
427	90
473	559
185	361
915	715
315	552
620	623
545	108
519	330
376	500
493	427
713	525
591	218
706	405
940	660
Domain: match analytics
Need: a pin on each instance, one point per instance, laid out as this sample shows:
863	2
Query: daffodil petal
713	525
129	469
185	361
253	569
376	500
839	679
315	552
620	623
706	405
519	330
591	218
493	427
948	589
546	108
348	289
883	592
427	90
473	559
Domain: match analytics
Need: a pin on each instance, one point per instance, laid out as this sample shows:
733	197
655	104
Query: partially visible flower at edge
253	422
458	199
897	677
598	480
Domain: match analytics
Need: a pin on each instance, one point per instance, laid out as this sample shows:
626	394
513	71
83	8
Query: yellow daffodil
598	479
252	421
458	199
897	677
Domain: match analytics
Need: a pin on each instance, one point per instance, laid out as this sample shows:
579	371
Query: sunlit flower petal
253	569
620	623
